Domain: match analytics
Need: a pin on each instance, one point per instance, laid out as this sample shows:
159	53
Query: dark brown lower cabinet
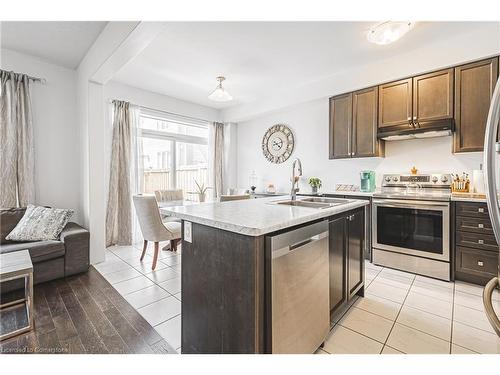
337	260
355	250
368	221
346	258
222	292
476	250
226	284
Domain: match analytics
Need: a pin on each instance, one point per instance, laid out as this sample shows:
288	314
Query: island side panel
222	292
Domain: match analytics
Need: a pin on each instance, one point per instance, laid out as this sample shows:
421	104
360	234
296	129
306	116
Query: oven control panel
423	180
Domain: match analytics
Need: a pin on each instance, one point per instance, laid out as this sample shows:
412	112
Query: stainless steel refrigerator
491	180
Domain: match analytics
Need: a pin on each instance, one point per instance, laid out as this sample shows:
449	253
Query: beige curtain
119	211
217	145
17	165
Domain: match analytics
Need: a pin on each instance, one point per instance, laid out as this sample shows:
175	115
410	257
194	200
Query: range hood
427	130
428	134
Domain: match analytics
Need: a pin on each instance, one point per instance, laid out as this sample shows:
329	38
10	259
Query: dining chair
152	227
225	198
169	195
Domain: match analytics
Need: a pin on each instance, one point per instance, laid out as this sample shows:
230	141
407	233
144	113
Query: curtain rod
169	113
34	79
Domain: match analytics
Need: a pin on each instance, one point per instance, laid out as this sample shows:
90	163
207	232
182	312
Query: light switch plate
188	234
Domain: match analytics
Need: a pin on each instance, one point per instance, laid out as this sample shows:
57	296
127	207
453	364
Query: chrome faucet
295	178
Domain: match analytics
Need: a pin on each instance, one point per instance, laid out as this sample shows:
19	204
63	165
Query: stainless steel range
411	224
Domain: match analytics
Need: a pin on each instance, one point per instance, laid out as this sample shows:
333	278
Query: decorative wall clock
278	143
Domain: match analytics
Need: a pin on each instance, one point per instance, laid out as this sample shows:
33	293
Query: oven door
419	228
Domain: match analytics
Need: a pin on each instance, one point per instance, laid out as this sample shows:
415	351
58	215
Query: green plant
201	188
315	182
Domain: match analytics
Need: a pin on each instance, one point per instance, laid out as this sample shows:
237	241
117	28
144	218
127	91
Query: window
173	152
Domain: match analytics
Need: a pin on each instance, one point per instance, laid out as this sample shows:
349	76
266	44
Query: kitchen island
228	303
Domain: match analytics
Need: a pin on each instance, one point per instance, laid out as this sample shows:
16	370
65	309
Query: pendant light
219	94
388	32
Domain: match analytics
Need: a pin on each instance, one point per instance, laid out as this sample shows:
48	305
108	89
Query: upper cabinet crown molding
474	86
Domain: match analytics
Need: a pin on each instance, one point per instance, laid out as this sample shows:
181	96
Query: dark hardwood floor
85	314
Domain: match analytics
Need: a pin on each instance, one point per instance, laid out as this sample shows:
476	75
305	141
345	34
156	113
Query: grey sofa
51	259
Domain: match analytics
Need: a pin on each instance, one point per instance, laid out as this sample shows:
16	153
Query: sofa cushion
9	217
39	251
40	224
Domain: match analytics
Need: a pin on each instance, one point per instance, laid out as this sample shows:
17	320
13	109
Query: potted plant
201	190
315	183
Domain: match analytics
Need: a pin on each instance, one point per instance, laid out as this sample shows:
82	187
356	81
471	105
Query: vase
201	197
314	189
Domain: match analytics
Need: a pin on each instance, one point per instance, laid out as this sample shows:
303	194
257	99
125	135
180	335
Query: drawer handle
480	226
480	210
481	242
479	263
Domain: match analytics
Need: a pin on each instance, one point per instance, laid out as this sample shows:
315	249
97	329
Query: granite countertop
468	197
255	217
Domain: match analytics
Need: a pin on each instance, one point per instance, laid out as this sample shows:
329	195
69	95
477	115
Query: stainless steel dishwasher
299	292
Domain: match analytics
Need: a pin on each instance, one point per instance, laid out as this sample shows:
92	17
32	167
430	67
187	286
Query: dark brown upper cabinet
340	126
395	104
433	97
364	124
419	103
474	85
353	125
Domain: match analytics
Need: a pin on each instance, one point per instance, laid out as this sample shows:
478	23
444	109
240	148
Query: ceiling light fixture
219	94
389	31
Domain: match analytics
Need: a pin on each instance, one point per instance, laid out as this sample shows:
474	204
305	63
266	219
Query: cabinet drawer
474	224
478	262
477	240
474	209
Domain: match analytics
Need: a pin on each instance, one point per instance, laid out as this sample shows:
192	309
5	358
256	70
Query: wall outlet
188	234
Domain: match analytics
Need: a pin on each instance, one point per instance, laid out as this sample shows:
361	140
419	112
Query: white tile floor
406	313
155	294
400	313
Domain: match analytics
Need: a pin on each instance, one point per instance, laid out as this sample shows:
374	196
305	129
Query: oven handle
408	204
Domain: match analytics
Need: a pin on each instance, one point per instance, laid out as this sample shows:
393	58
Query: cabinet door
364	123
395	103
433	97
337	261
355	247
340	126
474	85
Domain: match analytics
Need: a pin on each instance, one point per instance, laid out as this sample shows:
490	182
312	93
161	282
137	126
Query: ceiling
62	43
258	58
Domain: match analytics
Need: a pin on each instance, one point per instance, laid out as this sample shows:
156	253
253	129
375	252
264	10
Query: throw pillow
40	224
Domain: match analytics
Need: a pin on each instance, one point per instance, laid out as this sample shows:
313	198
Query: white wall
57	147
309	121
445	50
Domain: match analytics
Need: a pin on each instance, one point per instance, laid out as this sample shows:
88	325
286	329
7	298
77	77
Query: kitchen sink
314	202
331	201
300	203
